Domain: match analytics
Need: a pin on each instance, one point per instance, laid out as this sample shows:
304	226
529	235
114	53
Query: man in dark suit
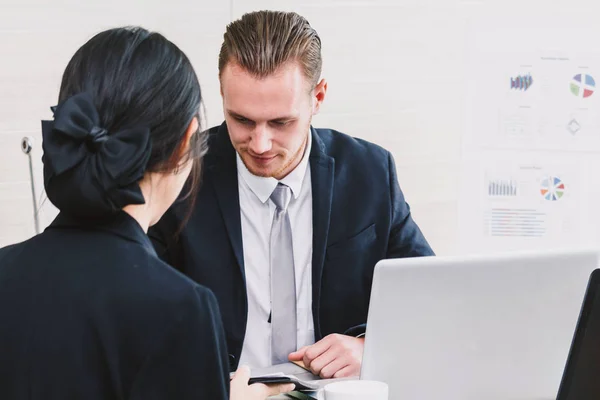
290	220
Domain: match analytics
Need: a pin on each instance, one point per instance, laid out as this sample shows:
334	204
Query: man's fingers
298	355
317	349
324	359
338	364
348	371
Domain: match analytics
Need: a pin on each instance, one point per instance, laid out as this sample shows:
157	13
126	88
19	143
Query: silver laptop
485	327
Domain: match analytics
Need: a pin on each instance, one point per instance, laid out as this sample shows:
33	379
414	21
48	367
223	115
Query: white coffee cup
355	390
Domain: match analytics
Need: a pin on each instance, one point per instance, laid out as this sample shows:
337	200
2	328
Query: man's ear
319	93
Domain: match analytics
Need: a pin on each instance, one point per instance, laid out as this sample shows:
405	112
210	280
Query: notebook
296	373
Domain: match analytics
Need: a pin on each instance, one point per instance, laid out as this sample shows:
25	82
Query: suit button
231	362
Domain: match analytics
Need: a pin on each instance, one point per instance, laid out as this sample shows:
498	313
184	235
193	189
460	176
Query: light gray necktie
283	279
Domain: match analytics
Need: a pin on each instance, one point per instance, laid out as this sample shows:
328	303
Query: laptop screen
581	378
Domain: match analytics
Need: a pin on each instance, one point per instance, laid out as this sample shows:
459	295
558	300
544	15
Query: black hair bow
89	172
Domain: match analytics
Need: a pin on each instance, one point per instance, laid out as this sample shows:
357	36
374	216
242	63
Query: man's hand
335	356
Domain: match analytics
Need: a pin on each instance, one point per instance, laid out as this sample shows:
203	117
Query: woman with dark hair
87	310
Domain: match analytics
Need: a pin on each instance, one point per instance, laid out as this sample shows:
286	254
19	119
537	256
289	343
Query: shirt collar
263	187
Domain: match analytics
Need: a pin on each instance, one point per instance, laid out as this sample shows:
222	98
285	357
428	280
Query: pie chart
583	85
552	188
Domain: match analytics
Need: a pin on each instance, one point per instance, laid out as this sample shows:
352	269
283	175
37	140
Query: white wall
37	39
395	71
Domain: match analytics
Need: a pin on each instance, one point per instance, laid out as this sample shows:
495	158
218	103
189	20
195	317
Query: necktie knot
281	196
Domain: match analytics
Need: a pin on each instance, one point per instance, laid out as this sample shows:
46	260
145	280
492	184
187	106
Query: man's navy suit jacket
359	217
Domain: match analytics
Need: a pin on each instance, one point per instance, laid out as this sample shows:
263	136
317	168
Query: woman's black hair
139	78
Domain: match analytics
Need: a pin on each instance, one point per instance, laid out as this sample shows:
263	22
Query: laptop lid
484	327
581	378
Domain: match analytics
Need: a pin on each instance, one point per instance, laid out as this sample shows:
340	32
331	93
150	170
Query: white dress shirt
257	212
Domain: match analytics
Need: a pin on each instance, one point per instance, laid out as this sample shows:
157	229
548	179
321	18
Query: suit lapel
224	179
322	177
